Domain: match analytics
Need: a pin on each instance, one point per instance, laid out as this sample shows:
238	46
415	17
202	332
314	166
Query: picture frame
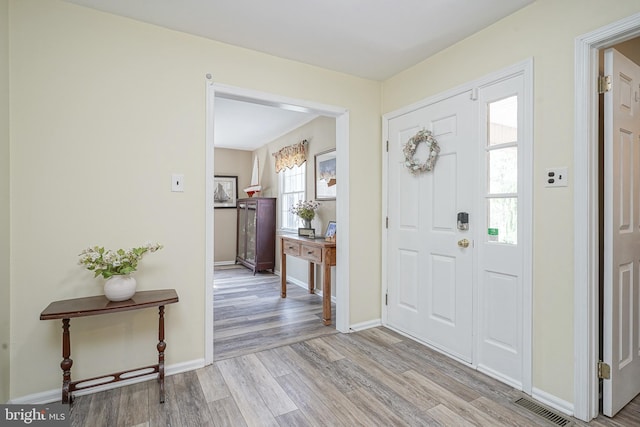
331	229
225	191
307	232
325	175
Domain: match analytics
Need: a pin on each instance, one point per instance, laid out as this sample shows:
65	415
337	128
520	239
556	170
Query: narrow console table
92	306
316	251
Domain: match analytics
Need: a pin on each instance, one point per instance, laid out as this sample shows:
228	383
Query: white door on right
621	312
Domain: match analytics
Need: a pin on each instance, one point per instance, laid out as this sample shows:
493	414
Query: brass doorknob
464	243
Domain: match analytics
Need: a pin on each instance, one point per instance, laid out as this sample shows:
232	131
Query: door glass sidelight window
502	166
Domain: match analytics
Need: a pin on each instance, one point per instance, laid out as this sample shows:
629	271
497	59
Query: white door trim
526	69
342	202
585	210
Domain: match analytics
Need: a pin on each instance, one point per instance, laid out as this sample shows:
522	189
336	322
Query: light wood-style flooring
368	378
250	315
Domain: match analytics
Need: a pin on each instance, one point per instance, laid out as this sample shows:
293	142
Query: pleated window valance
290	156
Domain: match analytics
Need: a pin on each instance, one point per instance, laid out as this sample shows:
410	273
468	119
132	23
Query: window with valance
290	156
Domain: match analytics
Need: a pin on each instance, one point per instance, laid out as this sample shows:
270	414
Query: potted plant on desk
306	210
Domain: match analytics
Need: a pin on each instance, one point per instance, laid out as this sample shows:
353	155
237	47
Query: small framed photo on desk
307	232
330	234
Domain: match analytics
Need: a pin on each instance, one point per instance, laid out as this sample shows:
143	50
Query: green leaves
107	263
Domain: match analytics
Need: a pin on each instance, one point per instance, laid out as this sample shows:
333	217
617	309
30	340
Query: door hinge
387	222
387	145
386	299
604	84
604	371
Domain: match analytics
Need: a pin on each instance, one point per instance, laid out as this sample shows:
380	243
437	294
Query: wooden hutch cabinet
256	241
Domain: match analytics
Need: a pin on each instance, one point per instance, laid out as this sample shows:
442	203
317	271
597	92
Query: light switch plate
557	177
177	182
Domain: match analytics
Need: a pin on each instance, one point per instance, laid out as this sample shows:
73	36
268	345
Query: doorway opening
587	211
341	117
617	125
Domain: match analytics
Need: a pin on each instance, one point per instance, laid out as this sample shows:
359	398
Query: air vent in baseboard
541	411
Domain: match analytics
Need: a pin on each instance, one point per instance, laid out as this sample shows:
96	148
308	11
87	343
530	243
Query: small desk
92	306
316	251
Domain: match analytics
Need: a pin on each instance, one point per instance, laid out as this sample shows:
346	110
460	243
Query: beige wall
104	109
4	204
630	49
544	31
235	163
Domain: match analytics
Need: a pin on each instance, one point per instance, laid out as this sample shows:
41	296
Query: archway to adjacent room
341	117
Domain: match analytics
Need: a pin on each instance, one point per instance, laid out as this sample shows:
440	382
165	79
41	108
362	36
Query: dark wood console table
92	306
316	251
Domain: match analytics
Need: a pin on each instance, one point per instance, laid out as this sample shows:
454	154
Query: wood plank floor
250	315
369	378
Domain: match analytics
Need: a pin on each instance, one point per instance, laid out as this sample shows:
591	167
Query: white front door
621	334
470	301
430	275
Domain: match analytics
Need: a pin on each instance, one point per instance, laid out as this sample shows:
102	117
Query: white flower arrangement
111	263
305	209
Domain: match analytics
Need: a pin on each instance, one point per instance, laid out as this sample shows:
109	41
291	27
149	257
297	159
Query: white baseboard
365	325
305	286
552	401
218	263
297	282
50	396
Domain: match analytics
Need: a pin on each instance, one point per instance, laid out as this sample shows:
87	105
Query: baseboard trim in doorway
225	264
365	325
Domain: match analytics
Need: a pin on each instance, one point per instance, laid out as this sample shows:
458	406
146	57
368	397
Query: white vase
120	287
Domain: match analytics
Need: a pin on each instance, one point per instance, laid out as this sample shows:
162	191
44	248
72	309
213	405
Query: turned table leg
66	363
161	347
312	278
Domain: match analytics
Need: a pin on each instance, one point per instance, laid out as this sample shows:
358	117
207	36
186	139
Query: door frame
586	210
341	116
526	69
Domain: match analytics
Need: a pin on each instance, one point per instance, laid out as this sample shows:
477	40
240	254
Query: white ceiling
373	39
242	125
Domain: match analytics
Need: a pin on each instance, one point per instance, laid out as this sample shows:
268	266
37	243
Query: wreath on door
409	150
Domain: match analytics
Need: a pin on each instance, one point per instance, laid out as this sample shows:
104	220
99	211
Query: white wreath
411	146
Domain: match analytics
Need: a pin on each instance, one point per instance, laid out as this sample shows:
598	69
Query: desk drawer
311	253
291	248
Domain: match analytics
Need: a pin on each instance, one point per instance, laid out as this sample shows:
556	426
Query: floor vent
543	412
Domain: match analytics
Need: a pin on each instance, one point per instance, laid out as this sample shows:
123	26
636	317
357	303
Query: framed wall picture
325	175
225	191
